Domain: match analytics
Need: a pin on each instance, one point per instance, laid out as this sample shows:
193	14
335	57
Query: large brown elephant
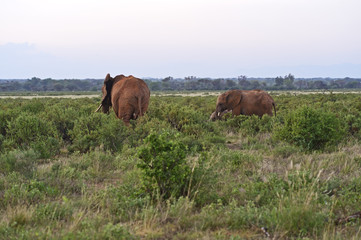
129	97
245	102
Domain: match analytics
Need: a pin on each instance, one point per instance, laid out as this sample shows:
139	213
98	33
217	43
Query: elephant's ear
107	89
233	99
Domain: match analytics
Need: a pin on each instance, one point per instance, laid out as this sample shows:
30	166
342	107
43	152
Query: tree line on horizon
288	82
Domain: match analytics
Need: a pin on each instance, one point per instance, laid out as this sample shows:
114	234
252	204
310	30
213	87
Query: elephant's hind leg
126	114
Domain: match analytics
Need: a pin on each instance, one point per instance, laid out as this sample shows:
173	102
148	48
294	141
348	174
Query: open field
69	173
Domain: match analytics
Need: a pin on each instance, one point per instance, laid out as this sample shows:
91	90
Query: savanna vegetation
69	173
288	82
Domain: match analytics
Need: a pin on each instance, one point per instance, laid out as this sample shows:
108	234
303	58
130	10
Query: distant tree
301	84
72	87
27	86
279	81
241	78
58	87
255	84
205	84
189	78
230	84
217	84
340	83
155	86
353	84
245	84
288	81
318	84
166	85
167	79
35	80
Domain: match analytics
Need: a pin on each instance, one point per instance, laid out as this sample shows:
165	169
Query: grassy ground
69	173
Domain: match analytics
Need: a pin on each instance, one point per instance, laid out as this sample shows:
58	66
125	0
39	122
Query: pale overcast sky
179	38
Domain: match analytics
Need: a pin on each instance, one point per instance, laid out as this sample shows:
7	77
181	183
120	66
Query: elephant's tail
274	107
140	106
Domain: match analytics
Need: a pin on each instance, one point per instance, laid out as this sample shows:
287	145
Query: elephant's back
131	91
131	86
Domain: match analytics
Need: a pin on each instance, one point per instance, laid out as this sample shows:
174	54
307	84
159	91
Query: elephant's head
228	101
106	89
214	116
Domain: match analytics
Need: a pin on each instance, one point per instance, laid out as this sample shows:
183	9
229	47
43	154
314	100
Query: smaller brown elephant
245	102
129	97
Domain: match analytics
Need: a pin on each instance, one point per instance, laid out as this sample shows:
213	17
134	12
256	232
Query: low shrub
254	124
96	130
353	122
63	119
30	131
312	129
163	164
33	106
184	118
5	116
233	124
21	161
31	192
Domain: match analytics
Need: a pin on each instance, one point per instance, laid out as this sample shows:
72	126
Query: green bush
354	124
5	116
233	124
30	131
183	118
312	129
34	106
2	138
63	119
144	126
95	130
30	192
22	161
164	165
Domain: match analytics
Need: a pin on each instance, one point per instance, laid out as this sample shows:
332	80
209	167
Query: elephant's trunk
98	108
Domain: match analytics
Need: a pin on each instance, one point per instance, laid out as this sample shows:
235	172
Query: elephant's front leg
236	111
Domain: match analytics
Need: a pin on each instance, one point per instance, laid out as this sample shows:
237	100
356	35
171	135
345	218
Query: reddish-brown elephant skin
245	102
129	97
